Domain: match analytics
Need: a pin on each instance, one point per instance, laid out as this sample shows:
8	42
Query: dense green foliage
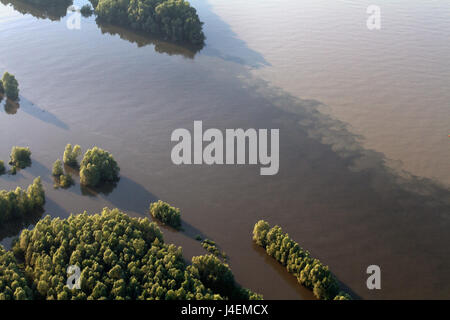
20	157
13	285
309	271
2	167
11	86
57	169
211	247
65	181
218	276
2	89
98	166
174	20
18	203
119	258
71	154
165	213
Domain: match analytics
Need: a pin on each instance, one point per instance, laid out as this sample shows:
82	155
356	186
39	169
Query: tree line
310	272
119	257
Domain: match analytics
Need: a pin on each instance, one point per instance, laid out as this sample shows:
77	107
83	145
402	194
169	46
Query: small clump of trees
20	157
61	179
9	86
173	20
310	272
119	257
98	166
165	213
71	155
57	169
20	203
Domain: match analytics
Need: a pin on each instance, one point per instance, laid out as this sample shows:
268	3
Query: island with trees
174	20
165	213
310	272
63	180
98	167
71	154
20	158
119	257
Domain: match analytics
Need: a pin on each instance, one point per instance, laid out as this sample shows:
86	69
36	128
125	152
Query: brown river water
364	119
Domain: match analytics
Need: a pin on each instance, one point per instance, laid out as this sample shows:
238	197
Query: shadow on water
126	195
12	228
105	189
55	12
41	114
55	210
37	169
222	42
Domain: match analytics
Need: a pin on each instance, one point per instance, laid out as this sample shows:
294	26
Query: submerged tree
11	86
20	157
57	169
71	154
98	166
165	213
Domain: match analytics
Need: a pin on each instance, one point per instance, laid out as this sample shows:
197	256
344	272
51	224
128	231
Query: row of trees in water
309	271
119	257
